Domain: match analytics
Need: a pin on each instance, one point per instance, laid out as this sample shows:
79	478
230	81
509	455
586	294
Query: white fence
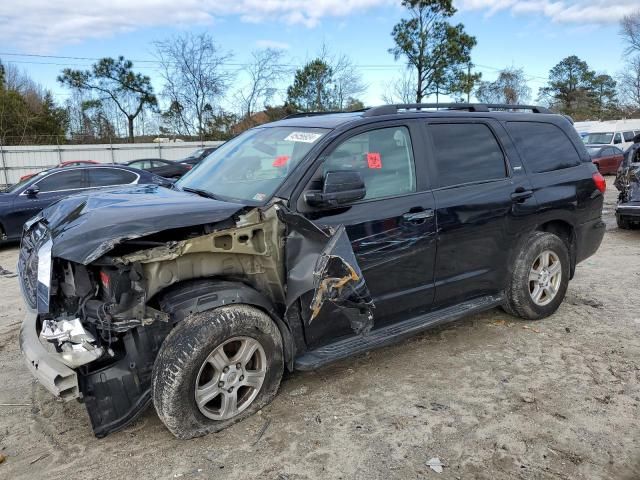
20	160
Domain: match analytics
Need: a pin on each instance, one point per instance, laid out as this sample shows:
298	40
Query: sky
533	35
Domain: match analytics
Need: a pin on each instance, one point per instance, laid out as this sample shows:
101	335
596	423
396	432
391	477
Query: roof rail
470	107
313	114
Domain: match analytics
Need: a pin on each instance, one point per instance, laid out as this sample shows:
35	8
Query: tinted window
617	138
141	164
160	163
384	159
71	179
543	146
102	177
465	153
628	136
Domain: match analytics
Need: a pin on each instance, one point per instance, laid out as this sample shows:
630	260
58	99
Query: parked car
299	243
70	163
197	156
606	159
164	168
628	184
621	139
25	199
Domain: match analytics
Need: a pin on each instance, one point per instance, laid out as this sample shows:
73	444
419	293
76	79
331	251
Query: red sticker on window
280	161
374	160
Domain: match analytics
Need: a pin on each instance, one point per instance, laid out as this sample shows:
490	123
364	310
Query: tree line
111	99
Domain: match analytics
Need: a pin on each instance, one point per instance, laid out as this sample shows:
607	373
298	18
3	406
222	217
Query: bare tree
192	67
402	90
630	31
629	83
265	71
347	79
510	87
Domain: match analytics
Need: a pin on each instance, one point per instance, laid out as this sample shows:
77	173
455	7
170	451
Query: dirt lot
491	396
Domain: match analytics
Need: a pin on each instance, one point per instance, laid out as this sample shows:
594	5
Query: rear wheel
540	277
216	368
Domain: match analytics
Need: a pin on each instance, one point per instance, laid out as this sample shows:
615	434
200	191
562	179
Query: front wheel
540	277
216	368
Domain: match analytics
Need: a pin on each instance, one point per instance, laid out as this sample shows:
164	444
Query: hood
85	227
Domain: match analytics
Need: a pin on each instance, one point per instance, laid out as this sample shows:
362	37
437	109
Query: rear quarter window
544	147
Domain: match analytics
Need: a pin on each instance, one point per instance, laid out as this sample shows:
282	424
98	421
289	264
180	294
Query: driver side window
384	159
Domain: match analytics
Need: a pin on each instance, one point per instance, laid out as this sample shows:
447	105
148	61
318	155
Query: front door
51	189
392	231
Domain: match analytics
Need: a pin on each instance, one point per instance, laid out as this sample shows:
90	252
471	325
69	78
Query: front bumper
52	374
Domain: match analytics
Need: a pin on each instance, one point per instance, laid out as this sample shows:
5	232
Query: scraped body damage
269	253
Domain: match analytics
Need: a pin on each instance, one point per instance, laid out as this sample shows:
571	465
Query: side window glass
103	177
617	139
466	152
628	136
384	159
68	180
543	146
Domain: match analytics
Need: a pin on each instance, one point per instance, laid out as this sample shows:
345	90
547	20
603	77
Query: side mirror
339	188
32	191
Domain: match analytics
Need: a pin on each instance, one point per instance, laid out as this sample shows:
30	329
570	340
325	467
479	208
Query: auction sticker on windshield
304	137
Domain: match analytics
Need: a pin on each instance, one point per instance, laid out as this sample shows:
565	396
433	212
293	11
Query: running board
388	335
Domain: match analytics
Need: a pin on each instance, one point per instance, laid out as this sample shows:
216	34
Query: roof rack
313	114
470	107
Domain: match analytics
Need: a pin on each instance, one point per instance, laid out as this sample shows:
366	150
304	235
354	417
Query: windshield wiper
202	193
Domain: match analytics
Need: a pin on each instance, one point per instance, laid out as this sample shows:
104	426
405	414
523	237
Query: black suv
299	243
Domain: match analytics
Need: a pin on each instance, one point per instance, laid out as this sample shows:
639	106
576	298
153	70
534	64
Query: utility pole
469	82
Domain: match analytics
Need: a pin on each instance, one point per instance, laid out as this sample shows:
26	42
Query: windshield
599	138
17	186
252	166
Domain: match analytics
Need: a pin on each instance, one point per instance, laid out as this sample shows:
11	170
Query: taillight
189	167
599	181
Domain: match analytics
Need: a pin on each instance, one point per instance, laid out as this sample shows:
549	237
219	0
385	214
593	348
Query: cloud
42	25
559	11
273	44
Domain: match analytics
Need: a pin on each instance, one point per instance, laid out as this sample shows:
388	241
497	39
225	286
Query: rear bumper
589	236
629	210
50	372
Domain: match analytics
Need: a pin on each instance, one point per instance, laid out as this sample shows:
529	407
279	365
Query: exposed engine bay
106	316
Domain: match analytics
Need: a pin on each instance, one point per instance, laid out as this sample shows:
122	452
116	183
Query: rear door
483	203
392	231
106	177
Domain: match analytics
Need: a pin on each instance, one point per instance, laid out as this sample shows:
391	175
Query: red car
70	163
605	157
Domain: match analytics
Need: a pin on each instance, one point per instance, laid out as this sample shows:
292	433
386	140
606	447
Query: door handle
520	195
417	217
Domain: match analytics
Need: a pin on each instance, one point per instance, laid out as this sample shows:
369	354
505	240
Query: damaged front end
97	320
628	184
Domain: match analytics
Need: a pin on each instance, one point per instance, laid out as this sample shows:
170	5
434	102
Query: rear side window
628	136
466	152
103	177
543	146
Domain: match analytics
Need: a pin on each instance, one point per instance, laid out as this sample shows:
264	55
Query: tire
521	290
182	362
623	222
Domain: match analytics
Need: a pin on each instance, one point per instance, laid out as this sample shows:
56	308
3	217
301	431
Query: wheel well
566	232
201	294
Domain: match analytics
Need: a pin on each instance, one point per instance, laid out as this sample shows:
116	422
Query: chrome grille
32	240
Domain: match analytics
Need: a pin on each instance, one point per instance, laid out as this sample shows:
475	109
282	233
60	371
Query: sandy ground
493	397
